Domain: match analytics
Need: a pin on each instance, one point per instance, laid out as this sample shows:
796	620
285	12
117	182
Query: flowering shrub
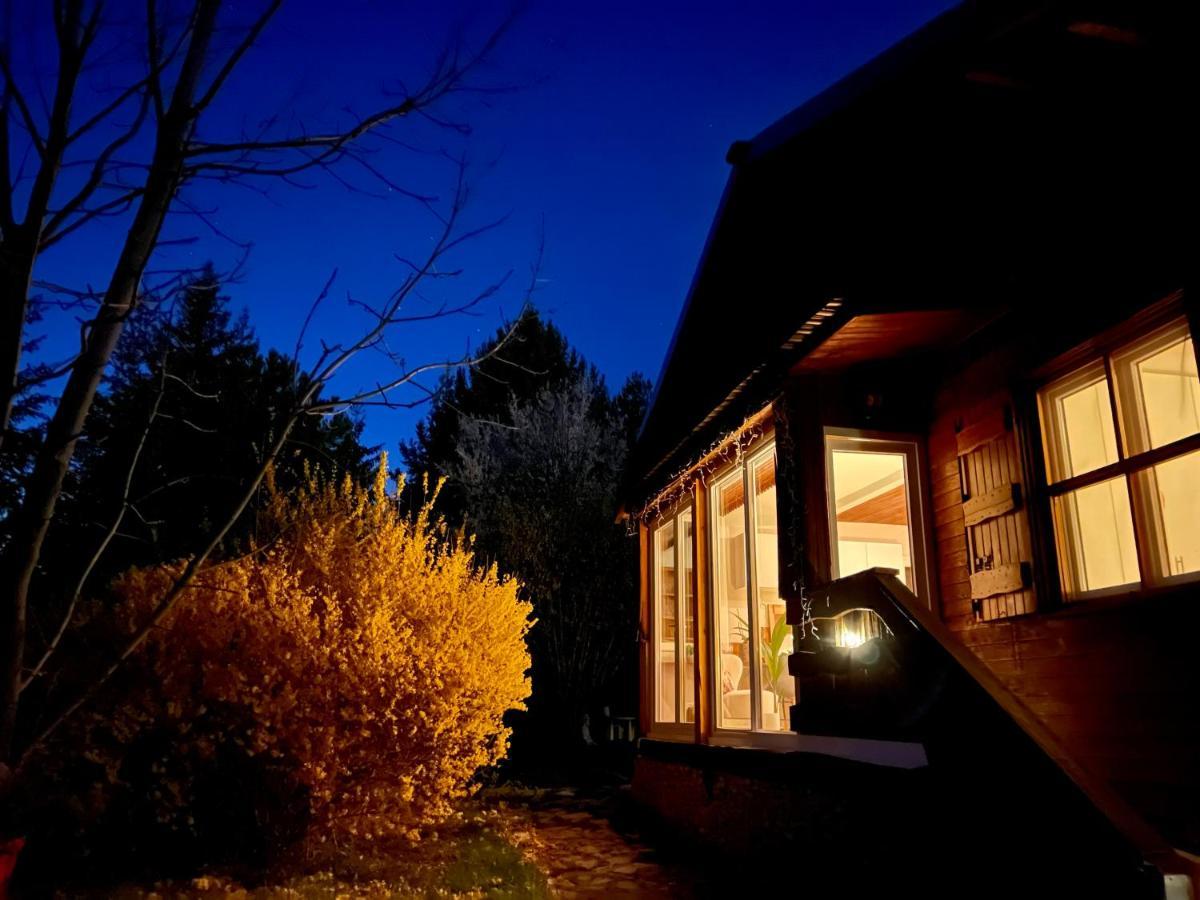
360	651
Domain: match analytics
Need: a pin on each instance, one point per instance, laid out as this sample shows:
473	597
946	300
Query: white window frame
678	729
1128	465
885	753
912	448
755	735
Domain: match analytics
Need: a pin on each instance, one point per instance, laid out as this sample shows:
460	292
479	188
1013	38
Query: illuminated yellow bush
359	647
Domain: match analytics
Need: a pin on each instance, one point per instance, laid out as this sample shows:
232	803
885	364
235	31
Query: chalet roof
1006	155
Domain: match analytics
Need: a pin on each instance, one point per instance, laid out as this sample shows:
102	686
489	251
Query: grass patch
487	864
470	857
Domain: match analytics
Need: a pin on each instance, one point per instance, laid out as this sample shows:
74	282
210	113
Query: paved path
573	841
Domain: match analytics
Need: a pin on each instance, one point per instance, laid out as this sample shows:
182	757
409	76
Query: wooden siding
1116	682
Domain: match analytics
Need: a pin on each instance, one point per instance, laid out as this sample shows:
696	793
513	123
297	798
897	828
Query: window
752	637
674	625
1121	437
875	508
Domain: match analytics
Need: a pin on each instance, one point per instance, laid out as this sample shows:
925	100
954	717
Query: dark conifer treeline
222	397
532	444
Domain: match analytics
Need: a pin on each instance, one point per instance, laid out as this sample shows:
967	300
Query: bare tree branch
99	170
112	531
45	483
308	404
12	92
312	311
7	186
189	423
147	86
114	207
190	389
150	195
236	56
254	157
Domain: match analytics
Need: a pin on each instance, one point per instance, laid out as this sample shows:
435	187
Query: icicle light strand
728	449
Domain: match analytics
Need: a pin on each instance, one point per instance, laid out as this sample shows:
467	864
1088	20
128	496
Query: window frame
754	735
1099	352
678	730
912	447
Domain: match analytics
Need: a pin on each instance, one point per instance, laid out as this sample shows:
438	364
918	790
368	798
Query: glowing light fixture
850	639
850	629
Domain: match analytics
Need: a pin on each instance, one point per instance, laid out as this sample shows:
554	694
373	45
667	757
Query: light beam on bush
361	647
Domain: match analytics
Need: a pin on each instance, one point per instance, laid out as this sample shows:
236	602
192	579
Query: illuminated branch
151	194
314	382
113	529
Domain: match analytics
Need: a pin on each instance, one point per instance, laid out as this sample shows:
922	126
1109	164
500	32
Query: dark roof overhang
1006	156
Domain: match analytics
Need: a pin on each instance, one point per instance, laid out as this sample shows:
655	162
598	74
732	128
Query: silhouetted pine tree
536	358
24	427
222	400
532	444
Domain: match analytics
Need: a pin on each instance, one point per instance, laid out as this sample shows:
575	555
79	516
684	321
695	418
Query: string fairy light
728	449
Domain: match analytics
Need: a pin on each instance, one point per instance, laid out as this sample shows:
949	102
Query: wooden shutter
994	517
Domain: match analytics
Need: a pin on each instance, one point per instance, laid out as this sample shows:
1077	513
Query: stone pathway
572	840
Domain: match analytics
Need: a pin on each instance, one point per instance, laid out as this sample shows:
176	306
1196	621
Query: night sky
609	149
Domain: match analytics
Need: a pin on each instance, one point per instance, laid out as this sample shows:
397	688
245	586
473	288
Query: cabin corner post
804	559
645	699
789	505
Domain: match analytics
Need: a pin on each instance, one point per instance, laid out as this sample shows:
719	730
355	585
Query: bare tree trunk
32	520
176	158
20	244
16	274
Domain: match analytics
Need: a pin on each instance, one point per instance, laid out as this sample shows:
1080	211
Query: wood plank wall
1118	683
949	530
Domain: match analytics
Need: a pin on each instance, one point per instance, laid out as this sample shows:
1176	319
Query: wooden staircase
1003	794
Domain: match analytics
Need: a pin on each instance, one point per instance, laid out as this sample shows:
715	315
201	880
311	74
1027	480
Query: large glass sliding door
752	638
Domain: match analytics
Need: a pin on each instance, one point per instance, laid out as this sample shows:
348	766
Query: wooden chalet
919	489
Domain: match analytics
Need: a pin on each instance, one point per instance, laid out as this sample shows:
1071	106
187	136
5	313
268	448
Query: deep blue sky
612	146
